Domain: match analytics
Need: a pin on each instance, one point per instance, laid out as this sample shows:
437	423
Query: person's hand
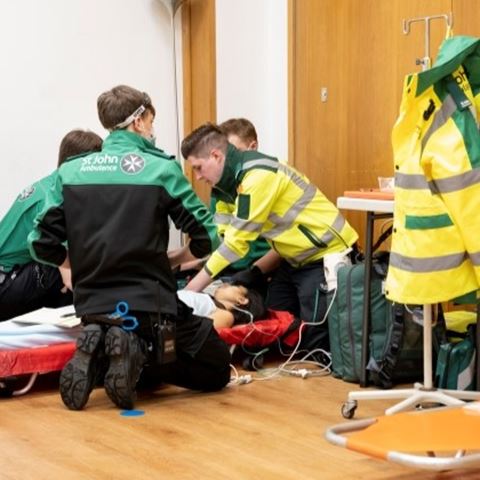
251	277
199	281
180	255
66	275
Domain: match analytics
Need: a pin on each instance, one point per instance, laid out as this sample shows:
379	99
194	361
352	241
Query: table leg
366	297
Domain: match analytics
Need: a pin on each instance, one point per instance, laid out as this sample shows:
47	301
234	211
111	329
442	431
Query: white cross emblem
132	164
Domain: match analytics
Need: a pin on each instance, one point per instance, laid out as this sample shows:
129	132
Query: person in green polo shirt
26	285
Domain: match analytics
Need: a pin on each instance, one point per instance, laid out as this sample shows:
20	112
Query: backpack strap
381	371
382	238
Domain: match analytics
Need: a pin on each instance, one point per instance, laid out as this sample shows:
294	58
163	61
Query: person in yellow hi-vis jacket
435	253
242	135
280	204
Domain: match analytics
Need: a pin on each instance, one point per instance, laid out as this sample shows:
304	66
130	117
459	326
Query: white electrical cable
282	368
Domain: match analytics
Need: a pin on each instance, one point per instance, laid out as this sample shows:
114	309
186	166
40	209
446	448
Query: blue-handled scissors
129	322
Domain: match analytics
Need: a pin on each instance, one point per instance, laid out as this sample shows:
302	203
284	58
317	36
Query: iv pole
427	309
426	61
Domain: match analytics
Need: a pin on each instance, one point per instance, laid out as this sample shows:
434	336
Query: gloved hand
251	277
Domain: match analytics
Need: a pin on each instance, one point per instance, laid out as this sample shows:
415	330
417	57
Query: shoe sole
77	377
119	386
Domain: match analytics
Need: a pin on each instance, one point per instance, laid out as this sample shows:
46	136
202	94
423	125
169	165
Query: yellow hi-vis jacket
224	213
435	253
280	204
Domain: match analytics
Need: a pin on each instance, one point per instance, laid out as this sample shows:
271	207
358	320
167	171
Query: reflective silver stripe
228	254
223	218
246	225
441	117
412	181
475	258
261	162
456	183
327	237
335	228
332	233
425	265
303	256
284	222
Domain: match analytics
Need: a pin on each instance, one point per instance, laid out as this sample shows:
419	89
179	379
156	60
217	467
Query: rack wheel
348	409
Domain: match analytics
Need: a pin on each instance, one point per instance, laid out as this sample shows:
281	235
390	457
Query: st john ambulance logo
27	192
132	164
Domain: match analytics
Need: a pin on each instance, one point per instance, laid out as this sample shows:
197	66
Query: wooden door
466	14
357	52
199	73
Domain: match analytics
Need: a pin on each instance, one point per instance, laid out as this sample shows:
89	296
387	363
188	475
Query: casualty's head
239	299
240	133
206	149
77	142
125	108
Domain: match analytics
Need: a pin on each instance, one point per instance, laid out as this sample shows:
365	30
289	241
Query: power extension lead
243	379
303	372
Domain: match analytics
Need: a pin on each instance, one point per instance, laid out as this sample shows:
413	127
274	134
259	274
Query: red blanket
278	325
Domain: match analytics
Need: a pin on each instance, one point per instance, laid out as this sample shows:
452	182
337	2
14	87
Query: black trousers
30	287
203	358
208	370
302	291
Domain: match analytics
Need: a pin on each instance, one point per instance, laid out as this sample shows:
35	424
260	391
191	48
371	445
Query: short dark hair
76	142
199	142
256	307
116	105
243	128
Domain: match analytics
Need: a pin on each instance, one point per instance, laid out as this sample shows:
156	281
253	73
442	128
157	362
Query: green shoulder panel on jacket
18	222
257	160
53	202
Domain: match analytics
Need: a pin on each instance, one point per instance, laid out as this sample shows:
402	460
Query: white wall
252	80
57	56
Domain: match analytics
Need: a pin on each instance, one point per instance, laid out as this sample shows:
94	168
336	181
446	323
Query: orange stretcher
437	439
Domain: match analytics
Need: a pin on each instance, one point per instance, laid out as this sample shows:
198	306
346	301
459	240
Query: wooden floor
265	430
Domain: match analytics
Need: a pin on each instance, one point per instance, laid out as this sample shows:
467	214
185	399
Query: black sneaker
80	374
127	358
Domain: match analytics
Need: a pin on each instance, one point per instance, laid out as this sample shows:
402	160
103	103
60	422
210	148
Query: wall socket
323	94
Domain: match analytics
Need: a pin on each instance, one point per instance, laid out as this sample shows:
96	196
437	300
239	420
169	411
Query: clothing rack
420	392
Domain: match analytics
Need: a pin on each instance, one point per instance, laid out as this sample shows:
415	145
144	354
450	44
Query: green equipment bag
346	316
395	340
456	361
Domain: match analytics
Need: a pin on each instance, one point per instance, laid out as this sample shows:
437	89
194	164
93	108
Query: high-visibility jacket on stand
435	253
